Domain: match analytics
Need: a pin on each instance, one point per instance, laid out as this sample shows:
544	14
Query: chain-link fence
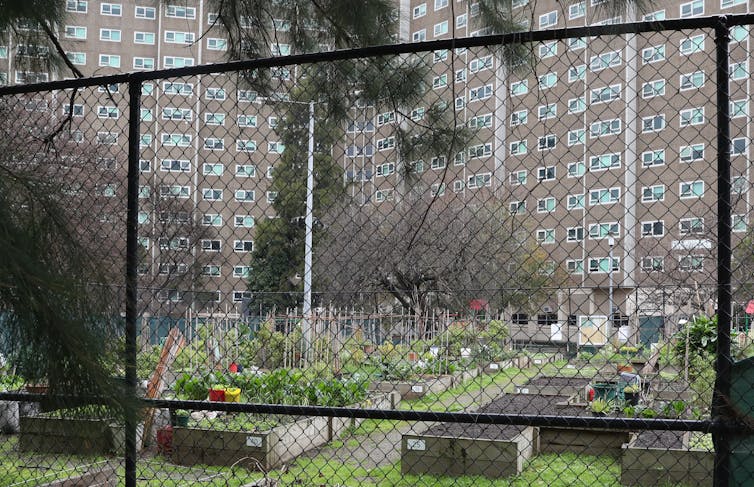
506	260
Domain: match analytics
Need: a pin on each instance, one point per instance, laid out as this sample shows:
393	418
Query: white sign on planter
254	441
416	444
418	389
494	366
465	352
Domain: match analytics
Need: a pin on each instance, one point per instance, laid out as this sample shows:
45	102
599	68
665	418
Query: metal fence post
720	410
134	92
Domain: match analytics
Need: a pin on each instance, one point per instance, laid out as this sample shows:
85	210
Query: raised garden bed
267	446
555	386
66	435
497	366
420	387
456	449
665	457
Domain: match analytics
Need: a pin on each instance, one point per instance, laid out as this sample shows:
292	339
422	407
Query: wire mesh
526	235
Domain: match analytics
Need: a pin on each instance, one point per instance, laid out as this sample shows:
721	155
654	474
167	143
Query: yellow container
232	394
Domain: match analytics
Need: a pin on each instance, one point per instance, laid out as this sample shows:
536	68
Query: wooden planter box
582	441
577	387
451	456
57	435
268	449
494	367
416	388
463	376
644	466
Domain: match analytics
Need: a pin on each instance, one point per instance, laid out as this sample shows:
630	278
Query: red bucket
165	440
217	395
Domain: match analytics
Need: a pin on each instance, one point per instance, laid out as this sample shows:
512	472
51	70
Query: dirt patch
477	431
660	439
533	404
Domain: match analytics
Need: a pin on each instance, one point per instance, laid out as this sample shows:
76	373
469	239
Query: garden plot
555	386
260	442
426	384
659	457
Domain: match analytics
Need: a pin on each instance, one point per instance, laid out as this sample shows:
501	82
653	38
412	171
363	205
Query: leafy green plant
631	389
192	388
11	382
601	406
629	411
648	413
674	409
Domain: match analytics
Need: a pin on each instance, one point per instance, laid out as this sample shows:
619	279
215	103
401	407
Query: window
692	116
576	137
547	111
76	6
546	205
739	70
246	95
738	223
739	33
604	61
692	44
210	245
547	142
179	12
739	185
604	196
654	88
112	9
246	170
420	36
576	10
176	140
78	58
75	32
575	234
174	88
441	28
243	246
145	13
731	3
245	195
519	88
173	37
479	180
212	220
691	153
518	147
548	20
481	93
739	108
650	17
385	169
576	73
243	221
518	177
546	236
652	264
107	138
143	63
245	145
212	169
654	123
691	226
214	143
437	163
175	191
383	195
653	158
481	150
650	194
110	60
481	64
605	95
109	35
691	263
604	128
546	173
212	118
576	169
576	105
575	201
177	62
519	117
144	38
517	207
653	54
601	265
440	81
738	146
548	49
215	94
175	165
78	110
692	189
548	80
461	21
692	9
216	44
210	194
420	10
575	266
481	121
386	143
145	165
604	161
182	114
599	231
576	43
692	80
